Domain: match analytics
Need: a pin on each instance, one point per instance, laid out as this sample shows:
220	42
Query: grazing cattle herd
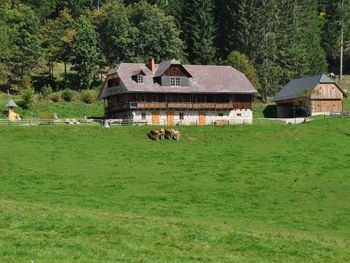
169	134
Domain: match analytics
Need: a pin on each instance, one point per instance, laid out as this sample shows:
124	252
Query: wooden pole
341	41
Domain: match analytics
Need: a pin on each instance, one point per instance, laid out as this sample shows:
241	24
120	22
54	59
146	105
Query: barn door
202	118
155	118
170	118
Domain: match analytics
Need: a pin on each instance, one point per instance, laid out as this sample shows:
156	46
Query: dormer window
140	79
176	82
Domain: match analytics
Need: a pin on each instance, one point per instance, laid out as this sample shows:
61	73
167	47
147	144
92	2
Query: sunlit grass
222	194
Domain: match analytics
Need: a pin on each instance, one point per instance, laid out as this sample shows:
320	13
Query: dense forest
271	41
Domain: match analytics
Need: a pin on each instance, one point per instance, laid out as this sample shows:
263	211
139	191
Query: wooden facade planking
327	91
332	106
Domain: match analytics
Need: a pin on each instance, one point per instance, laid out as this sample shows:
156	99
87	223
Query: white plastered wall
192	117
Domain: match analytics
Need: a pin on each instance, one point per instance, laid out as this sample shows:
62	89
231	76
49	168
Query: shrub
27	97
88	96
56	97
46	91
241	62
68	95
45	115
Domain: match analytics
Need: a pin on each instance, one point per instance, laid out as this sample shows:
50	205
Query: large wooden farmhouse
309	96
171	93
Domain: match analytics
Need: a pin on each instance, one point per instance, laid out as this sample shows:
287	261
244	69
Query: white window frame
175	82
140	79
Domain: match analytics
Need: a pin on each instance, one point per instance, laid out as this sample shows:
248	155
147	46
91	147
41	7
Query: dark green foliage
46	91
27	97
173	8
234	19
241	62
283	39
336	22
89	96
117	35
68	95
59	36
86	54
56	97
199	31
156	36
22	28
5	54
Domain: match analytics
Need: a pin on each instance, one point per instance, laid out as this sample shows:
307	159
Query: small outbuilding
12	115
309	96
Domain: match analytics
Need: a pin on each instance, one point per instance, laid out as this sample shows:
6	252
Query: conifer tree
171	7
336	29
199	31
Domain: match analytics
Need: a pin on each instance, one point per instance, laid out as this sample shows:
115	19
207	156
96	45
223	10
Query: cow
169	133
154	134
176	135
162	133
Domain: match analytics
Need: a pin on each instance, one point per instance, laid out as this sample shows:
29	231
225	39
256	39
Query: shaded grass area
222	194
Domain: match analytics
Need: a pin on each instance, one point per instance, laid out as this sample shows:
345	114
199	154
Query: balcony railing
178	105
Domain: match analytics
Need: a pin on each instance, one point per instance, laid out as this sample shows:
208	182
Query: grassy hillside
222	194
41	107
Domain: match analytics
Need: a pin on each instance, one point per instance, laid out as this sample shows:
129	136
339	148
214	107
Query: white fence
29	122
131	122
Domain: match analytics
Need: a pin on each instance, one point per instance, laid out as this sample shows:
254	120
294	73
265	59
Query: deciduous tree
86	54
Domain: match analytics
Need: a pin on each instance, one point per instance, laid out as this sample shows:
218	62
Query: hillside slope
267	193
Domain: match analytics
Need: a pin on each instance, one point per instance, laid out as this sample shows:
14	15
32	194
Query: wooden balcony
178	106
150	105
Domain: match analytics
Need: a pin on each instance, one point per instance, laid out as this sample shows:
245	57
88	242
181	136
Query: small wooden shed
309	96
12	115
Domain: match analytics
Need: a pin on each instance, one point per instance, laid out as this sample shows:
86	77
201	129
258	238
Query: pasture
263	193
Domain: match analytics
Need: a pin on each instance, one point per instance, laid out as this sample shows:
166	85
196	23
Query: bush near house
55	104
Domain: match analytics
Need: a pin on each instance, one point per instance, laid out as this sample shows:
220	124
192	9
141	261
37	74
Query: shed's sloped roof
11	103
204	79
297	87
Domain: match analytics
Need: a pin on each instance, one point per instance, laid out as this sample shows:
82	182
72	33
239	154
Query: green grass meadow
262	193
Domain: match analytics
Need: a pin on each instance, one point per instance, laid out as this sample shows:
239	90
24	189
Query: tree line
271	41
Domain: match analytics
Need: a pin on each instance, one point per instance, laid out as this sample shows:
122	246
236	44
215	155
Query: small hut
309	96
11	114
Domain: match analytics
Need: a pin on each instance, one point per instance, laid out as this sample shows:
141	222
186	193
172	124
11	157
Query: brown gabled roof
204	79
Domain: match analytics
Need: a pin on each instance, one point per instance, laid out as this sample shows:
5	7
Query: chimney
152	65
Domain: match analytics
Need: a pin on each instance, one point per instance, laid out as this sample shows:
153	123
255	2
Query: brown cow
169	133
154	134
